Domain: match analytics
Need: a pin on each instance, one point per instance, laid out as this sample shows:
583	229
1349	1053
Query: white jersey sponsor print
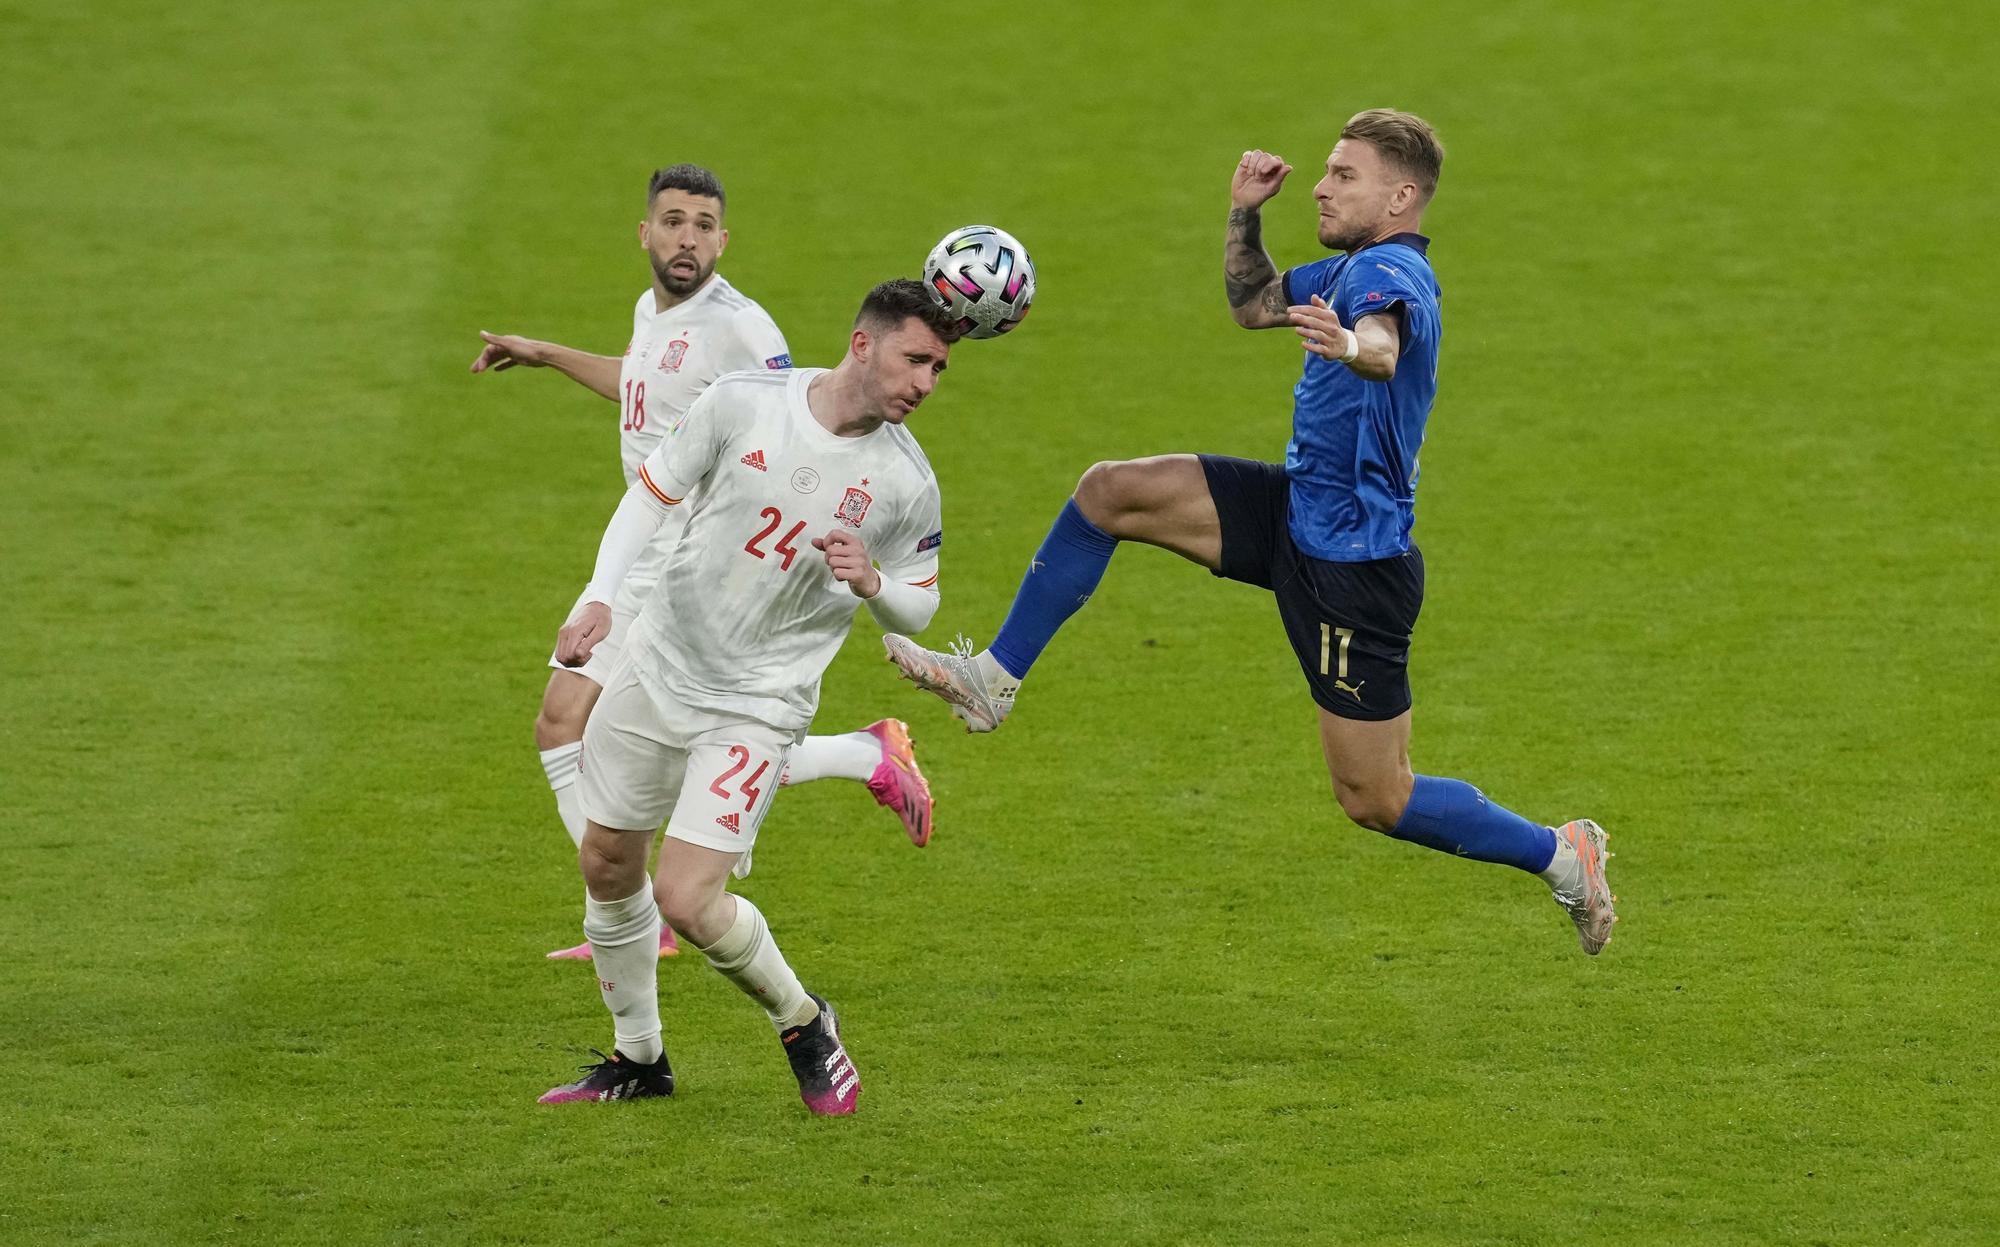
753	616
675	355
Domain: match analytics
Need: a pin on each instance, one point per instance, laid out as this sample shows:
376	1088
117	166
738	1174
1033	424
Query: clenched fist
847	558
1258	176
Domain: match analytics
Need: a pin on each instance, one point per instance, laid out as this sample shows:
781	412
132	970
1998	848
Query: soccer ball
984	277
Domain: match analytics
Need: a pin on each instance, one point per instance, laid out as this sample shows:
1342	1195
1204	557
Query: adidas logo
756	460
730	824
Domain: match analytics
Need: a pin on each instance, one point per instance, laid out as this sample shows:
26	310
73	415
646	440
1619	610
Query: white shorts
647	759
605	654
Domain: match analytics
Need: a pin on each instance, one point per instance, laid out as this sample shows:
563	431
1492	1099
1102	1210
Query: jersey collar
1415	242
709	287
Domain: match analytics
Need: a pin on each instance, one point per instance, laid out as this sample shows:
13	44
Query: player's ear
858	343
722	246
642	230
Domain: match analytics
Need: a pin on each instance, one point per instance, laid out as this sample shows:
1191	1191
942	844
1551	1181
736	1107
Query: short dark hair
1406	139
693	179
893	302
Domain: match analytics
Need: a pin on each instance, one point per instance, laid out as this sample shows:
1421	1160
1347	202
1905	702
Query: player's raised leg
1369	764
881	756
1162	501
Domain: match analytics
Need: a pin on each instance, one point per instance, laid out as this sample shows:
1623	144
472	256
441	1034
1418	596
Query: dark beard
681	287
1345	240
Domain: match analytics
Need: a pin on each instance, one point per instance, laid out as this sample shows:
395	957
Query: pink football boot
897	783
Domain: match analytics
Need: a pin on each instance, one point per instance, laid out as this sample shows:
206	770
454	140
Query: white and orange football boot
1589	901
973	686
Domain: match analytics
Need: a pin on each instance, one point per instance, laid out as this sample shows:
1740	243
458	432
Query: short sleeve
755	343
1375	284
682	461
1307	280
912	552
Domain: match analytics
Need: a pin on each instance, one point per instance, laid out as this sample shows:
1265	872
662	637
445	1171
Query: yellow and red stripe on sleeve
655	490
924	584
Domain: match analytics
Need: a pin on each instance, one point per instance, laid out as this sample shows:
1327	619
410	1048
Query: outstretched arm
1255	287
596	373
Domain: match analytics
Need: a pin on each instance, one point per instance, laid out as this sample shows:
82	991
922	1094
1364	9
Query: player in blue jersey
1328	530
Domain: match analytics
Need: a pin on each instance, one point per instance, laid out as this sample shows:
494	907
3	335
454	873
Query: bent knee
560	722
554	733
1377	807
688	910
679	911
1103	488
1120	495
608	870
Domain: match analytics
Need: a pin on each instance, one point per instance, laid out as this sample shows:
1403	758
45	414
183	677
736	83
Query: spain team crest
670	360
853	507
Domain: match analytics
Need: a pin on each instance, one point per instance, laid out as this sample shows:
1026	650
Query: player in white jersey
717	686
690	327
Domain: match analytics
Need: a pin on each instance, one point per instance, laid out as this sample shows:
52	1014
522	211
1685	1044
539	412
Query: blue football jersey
1352	461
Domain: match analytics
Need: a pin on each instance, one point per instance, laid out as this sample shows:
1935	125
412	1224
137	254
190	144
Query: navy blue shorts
1349	623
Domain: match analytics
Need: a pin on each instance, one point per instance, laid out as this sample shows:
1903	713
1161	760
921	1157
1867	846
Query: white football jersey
674	355
747	616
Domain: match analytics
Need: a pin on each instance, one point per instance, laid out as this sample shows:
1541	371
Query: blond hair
1406	139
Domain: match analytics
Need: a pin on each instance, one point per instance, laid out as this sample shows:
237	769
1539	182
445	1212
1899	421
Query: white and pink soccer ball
982	276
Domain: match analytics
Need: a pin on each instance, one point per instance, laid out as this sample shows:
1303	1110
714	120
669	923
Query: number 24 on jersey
784	547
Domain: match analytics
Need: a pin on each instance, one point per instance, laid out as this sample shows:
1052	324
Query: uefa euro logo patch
931	542
778	363
853	507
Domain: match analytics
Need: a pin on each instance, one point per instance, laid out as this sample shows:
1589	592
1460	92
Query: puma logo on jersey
729	823
756	460
1352	690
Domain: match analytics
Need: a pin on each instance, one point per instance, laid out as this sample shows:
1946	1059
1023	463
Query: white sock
747	956
1001	685
625	945
1565	872
851	755
560	766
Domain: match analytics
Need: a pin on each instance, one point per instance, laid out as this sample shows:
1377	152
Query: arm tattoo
1247	271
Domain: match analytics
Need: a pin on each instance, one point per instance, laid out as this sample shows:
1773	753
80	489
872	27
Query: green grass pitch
1710	512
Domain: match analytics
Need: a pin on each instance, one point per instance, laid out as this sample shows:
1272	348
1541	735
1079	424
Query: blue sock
1060	580
1452	816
